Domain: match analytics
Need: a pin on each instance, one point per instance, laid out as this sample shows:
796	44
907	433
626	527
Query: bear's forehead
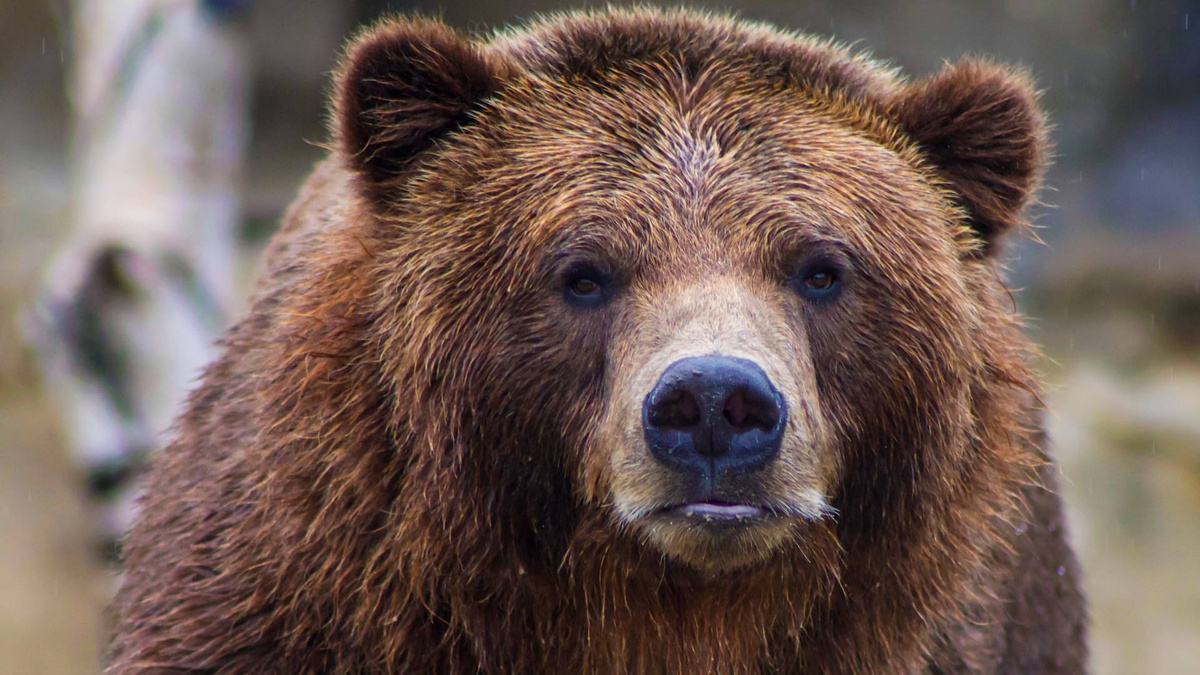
587	45
672	124
688	101
671	154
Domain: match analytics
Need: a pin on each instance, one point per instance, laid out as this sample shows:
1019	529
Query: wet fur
398	465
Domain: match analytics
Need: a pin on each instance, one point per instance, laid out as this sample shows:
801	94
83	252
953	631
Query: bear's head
708	292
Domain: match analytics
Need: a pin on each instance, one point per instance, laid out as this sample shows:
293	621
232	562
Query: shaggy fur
413	456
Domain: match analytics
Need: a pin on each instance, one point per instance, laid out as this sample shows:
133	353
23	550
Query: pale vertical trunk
137	294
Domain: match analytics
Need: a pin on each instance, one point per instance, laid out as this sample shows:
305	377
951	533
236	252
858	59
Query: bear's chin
715	545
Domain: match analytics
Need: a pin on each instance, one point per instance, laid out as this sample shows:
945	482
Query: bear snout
714	418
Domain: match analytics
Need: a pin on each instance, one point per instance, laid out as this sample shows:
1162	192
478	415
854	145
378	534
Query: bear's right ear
402	85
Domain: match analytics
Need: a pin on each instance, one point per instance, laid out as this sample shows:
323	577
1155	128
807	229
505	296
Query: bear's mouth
716	513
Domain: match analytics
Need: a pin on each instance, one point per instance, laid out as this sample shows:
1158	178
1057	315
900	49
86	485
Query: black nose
714	413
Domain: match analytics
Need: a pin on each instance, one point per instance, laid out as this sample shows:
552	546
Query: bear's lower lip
717	512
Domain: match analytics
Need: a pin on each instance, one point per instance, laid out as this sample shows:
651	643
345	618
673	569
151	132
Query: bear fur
414	456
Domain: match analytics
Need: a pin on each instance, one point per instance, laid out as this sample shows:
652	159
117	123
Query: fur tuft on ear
402	85
980	125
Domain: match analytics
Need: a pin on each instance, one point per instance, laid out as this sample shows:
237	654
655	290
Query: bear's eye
586	285
818	281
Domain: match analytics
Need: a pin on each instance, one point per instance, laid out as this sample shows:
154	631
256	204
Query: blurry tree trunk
137	294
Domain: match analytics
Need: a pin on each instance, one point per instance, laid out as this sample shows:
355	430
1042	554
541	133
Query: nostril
746	410
676	409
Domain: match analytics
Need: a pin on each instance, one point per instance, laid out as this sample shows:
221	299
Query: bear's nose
714	413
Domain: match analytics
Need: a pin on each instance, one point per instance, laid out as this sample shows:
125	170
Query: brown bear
630	341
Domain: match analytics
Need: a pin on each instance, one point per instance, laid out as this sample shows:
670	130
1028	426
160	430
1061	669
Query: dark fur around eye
586	285
819	280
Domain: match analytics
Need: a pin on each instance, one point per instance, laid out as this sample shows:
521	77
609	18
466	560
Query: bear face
580	240
635	341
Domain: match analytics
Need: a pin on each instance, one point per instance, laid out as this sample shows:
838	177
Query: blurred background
149	146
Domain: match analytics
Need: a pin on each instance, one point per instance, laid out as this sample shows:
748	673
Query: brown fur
414	457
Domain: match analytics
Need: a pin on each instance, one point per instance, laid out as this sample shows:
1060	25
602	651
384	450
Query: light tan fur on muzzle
721	316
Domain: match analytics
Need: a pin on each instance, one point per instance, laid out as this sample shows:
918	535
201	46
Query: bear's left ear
980	125
403	85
